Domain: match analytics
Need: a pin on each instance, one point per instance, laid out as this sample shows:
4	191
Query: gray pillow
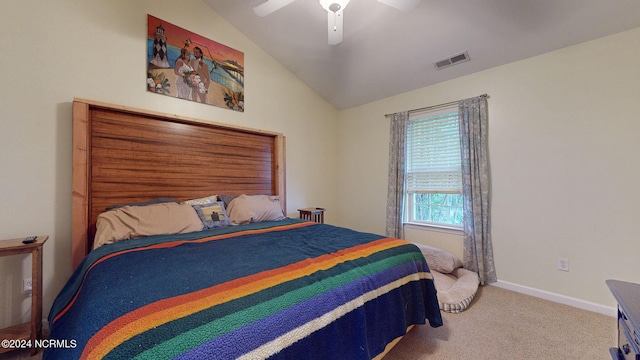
145	203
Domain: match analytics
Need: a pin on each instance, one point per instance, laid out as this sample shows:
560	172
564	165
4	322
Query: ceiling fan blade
334	22
270	6
404	5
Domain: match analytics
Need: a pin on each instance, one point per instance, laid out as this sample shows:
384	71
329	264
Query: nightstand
33	330
628	296
312	214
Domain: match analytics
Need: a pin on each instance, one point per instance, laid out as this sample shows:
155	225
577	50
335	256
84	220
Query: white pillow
202	201
254	208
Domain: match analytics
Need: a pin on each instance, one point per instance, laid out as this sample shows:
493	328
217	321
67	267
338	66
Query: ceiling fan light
329	5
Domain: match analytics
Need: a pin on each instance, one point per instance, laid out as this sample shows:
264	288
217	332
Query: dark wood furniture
32	330
124	155
628	297
312	214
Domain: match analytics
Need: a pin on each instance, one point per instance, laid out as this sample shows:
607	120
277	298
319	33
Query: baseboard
562	299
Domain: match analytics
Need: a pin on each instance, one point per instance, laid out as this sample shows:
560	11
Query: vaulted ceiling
387	52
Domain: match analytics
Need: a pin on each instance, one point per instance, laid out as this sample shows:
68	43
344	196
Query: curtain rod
433	107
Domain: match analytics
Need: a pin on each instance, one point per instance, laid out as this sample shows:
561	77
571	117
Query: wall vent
452	60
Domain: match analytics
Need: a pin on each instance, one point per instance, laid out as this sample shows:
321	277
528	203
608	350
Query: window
433	187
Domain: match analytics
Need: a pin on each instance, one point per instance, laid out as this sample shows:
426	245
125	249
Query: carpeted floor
502	324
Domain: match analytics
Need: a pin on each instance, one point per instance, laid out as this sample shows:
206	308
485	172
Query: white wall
564	146
60	49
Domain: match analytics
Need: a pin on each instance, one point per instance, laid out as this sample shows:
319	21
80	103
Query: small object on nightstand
312	214
29	239
29	332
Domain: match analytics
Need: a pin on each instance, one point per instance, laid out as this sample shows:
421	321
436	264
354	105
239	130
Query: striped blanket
281	290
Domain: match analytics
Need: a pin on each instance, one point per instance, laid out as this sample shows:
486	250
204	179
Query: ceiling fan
334	10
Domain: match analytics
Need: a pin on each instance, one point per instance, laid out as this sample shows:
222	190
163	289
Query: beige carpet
502	324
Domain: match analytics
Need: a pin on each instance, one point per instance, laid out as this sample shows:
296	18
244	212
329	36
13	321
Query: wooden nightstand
33	330
312	214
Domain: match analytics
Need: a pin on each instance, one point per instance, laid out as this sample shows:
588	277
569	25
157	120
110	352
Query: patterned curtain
478	251
395	187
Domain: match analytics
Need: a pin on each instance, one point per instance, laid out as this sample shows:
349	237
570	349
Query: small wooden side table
312	214
33	330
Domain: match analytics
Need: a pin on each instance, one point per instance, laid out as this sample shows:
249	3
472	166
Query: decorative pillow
145	203
439	260
255	208
202	201
130	222
213	215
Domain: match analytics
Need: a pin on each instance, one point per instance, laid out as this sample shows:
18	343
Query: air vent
453	60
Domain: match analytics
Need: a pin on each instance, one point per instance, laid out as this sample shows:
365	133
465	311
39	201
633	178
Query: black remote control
29	239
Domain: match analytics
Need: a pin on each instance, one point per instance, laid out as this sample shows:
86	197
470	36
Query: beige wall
60	49
564	159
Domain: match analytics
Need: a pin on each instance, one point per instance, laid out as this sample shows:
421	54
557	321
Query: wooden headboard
123	155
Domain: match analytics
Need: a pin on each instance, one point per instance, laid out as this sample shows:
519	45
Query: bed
270	287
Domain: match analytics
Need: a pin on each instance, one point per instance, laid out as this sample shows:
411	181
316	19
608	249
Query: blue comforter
283	290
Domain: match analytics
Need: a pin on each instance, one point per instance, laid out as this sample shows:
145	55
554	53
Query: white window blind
433	153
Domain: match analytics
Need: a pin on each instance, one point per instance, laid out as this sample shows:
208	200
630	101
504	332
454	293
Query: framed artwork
188	66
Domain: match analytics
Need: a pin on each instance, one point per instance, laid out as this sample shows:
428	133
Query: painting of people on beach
191	67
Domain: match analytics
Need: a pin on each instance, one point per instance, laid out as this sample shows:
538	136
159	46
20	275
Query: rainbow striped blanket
279	290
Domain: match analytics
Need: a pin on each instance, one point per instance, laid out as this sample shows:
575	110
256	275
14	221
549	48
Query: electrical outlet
563	264
26	286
